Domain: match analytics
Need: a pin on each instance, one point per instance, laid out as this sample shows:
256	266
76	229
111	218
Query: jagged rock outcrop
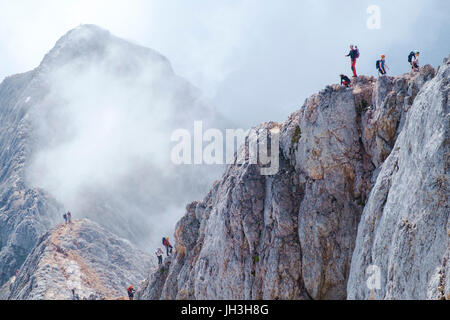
292	235
81	256
404	234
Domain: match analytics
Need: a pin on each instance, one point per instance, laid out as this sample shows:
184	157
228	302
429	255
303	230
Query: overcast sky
254	60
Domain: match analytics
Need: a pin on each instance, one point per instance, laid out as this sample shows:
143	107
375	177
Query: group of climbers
67	217
381	66
159	254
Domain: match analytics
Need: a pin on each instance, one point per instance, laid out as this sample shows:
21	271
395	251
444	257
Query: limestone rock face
403	237
81	256
291	235
25	212
391	100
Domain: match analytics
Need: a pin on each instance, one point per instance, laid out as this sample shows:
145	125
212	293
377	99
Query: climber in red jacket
131	292
167	245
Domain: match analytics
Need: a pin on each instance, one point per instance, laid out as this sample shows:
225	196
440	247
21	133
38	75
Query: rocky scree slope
81	256
292	235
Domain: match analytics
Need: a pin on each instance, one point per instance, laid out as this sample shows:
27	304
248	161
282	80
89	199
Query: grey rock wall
404	230
292	235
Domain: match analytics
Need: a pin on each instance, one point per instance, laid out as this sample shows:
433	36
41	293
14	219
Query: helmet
383	56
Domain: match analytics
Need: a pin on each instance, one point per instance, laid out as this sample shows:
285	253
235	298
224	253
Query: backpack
164	241
357	53
410	57
378	65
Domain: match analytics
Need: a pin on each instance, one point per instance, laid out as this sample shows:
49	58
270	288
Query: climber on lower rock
159	253
345	81
168	246
131	292
75	296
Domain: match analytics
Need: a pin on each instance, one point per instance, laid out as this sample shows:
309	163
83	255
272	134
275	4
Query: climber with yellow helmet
381	65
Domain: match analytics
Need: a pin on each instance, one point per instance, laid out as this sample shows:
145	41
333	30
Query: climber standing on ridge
75	296
131	292
159	253
168	246
69	217
413	59
381	65
345	81
353	54
65	217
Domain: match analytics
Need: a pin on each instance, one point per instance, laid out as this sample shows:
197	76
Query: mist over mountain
92	125
103	133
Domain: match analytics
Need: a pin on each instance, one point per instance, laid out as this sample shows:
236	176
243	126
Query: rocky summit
362	192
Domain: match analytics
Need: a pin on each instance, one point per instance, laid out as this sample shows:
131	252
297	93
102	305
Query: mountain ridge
292	236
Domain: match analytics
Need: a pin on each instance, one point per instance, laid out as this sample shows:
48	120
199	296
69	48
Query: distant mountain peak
91	41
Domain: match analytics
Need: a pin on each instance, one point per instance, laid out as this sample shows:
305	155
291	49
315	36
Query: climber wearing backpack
353	54
75	296
381	65
345	81
167	244
65	217
159	253
131	292
413	59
